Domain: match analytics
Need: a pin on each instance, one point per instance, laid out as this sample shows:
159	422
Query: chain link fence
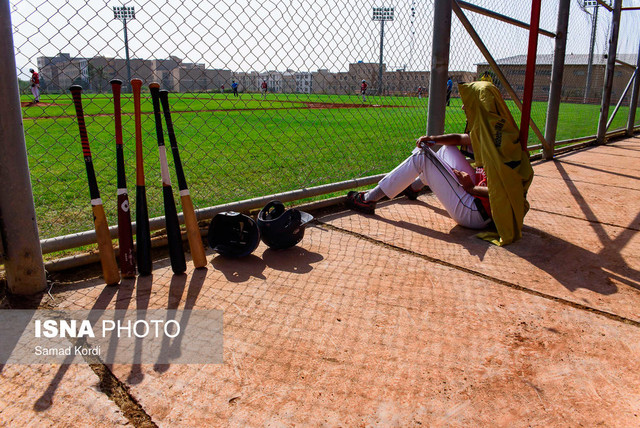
312	125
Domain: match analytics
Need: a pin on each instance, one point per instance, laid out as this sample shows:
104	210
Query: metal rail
500	17
606	6
624	94
625	64
530	73
88	237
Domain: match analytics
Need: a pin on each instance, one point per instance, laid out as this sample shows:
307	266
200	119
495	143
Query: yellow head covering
494	137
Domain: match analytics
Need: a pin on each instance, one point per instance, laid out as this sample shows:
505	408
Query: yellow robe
494	137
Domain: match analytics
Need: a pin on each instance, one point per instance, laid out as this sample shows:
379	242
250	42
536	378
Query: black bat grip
154	88
164	99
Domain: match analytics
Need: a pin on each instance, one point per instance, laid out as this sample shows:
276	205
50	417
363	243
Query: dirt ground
398	319
39	104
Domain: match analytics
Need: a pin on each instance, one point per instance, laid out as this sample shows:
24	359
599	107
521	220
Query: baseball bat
143	233
125	235
174	236
103	236
190	220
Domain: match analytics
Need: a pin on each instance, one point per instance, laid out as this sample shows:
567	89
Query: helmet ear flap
293	220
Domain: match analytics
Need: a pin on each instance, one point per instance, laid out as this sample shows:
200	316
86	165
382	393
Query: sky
261	35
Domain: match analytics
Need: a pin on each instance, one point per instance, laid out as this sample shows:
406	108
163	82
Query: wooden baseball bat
174	235
190	220
143	233
103	236
125	235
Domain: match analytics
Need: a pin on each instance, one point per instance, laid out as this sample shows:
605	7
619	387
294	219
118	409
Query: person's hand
425	140
465	180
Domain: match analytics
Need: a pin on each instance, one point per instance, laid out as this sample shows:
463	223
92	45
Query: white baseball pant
460	205
35	90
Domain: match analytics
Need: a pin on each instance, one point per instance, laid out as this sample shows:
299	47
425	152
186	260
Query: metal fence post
439	67
557	72
609	73
633	104
23	257
594	27
530	73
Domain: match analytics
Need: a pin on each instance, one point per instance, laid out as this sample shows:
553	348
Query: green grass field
236	148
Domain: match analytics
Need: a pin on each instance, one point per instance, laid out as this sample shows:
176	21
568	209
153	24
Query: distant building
574	80
289	83
405	82
322	82
247	81
304	82
60	72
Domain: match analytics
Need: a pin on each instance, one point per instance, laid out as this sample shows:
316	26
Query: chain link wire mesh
311	126
579	110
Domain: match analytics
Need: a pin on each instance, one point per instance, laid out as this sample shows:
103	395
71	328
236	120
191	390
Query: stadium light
594	24
382	14
124	14
594	3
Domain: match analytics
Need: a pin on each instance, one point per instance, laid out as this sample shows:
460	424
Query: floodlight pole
633	105
122	13
608	76
380	86
382	14
557	72
594	24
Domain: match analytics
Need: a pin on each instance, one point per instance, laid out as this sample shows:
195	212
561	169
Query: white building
304	82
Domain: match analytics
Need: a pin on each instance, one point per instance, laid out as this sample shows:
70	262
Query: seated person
495	190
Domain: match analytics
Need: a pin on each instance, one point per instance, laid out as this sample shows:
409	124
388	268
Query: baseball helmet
281	228
233	234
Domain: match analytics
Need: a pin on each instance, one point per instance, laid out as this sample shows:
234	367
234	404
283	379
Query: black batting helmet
281	228
233	234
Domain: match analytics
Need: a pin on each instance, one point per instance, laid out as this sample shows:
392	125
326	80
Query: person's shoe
412	195
355	201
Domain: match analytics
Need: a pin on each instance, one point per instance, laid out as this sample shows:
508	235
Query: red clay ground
397	319
39	104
